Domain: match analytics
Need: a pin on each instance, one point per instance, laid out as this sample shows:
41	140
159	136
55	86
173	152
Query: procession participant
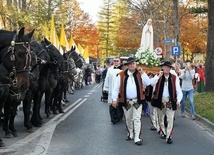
167	96
128	93
187	76
116	114
153	110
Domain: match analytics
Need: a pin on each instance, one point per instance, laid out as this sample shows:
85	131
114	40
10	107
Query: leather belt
131	102
134	100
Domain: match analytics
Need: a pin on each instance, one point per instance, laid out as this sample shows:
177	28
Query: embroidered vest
123	84
158	93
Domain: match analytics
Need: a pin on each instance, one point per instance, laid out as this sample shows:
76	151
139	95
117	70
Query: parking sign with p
176	50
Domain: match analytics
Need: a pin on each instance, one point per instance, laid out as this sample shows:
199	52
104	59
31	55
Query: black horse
39	58
15	58
67	70
79	61
47	82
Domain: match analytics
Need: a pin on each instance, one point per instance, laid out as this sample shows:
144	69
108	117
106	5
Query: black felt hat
129	60
166	63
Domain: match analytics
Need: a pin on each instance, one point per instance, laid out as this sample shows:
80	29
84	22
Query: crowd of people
132	92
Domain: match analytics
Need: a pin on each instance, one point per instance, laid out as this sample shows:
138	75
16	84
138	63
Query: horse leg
59	99
7	111
12	118
54	103
69	88
48	102
35	119
65	93
26	111
1	143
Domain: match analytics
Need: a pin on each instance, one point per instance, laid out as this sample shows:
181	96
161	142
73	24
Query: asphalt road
85	129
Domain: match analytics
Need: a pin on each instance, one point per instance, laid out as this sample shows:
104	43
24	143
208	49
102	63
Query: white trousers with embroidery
170	118
153	116
133	121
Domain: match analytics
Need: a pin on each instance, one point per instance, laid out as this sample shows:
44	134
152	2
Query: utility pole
176	24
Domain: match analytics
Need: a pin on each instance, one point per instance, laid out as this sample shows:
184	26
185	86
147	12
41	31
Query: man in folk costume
153	110
167	96
116	114
128	92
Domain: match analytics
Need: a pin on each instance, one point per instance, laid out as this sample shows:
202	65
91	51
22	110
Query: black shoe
129	138
139	143
153	128
169	140
163	136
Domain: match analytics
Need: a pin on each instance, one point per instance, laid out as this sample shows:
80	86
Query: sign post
168	41
176	50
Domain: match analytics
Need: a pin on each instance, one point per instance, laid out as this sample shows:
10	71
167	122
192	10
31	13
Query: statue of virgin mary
147	37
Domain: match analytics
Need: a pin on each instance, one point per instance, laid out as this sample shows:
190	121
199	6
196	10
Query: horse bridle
79	59
11	50
69	64
55	61
39	53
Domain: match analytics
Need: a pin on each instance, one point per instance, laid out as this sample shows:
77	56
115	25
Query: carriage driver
128	92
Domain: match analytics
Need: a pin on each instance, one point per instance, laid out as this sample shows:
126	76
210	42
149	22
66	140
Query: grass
204	105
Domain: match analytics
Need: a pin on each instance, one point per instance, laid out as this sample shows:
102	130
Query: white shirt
131	90
166	91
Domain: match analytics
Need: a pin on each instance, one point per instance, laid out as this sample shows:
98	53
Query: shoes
193	117
153	128
163	136
129	138
139	143
169	140
182	114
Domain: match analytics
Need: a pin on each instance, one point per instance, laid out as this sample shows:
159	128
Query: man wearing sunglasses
116	114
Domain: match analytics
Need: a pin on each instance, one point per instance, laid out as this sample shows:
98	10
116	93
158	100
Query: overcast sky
92	7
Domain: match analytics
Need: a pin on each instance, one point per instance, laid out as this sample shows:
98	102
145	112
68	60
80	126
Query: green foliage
107	28
204	105
198	10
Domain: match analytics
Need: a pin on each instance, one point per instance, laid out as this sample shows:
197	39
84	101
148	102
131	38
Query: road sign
168	41
176	50
158	51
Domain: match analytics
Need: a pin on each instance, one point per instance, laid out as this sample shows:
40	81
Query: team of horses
30	70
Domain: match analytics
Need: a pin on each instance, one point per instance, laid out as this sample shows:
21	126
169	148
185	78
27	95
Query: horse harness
26	68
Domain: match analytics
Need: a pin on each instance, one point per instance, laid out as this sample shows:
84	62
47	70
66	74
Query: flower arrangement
147	58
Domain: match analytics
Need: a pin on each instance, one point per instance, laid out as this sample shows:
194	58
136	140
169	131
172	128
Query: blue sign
176	50
168	41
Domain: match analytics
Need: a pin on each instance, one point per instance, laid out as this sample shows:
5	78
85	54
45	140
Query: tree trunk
209	64
24	4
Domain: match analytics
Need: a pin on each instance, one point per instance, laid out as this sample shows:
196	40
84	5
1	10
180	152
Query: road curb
205	121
